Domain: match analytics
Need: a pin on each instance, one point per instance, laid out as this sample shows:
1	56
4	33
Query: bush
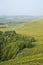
21	45
11	44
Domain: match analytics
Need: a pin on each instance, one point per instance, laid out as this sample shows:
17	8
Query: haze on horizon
21	7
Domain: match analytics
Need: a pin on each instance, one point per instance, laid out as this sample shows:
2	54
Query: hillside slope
33	56
34	28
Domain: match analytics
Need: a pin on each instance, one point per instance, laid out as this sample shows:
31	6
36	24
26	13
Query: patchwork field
28	56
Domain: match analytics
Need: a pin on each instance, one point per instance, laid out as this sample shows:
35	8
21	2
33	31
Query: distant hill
13	20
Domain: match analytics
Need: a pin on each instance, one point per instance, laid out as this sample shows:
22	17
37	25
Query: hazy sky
21	7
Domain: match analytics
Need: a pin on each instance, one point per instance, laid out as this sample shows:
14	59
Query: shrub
21	45
11	44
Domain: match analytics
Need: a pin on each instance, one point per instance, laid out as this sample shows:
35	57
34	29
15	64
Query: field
28	56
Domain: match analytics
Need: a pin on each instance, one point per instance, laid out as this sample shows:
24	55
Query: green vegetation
12	43
28	55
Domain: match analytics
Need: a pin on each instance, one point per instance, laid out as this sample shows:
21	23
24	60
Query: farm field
27	56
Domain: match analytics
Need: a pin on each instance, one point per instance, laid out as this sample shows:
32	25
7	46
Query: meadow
27	56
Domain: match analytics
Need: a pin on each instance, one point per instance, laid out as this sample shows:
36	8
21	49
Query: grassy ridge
33	56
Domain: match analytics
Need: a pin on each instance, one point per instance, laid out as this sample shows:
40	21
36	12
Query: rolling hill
32	56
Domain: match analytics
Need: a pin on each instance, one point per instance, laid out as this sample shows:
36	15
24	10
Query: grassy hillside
29	56
34	28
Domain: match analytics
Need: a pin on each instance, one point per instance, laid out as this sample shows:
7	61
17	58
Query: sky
21	7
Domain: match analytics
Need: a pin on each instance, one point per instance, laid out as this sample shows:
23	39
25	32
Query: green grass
12	43
32	56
